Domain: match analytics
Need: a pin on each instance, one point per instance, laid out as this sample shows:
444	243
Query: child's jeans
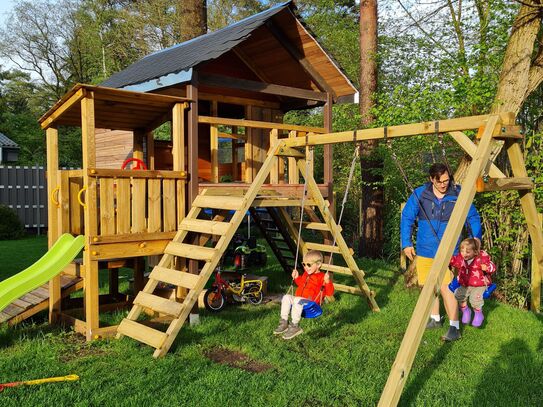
475	295
294	306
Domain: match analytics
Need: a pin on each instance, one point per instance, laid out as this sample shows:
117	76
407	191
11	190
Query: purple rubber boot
466	314
478	318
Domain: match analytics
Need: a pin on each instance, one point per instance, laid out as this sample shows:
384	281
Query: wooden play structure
177	208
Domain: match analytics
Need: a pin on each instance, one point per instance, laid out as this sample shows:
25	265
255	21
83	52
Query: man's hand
295	274
410	252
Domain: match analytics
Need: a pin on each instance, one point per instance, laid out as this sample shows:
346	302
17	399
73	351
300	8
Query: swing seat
454	284
311	310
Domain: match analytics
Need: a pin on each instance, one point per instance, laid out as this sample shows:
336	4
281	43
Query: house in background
9	150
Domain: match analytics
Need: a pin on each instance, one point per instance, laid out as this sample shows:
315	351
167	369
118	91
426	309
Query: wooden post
274	174
293	175
53	214
137	152
411	340
329	152
536	278
249	147
214	144
150	137
90	289
178	152
527	202
235	158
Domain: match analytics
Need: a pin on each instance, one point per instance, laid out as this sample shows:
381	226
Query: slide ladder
206	241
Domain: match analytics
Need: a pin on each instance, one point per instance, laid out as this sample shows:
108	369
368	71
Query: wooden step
348	289
204	226
337	269
175	277
219	202
322	247
158	304
190	251
142	333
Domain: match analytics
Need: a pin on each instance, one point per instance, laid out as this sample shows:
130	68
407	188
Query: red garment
471	275
309	286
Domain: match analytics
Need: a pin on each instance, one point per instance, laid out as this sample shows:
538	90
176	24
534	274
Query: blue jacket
434	214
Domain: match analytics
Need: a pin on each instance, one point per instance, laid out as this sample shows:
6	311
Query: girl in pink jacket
474	268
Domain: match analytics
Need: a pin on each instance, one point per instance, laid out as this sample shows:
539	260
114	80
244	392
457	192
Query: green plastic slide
53	262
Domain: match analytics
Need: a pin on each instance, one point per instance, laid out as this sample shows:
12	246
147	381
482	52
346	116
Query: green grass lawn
342	359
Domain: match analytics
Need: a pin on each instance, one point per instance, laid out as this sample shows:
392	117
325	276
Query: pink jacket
472	275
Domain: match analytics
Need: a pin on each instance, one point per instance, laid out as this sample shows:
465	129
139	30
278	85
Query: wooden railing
129	206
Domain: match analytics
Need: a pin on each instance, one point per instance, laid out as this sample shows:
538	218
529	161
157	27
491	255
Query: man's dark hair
437	170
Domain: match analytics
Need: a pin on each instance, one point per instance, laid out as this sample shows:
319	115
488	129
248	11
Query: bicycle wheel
214	300
254	295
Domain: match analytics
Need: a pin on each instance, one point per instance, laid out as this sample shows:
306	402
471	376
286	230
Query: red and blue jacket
310	285
432	213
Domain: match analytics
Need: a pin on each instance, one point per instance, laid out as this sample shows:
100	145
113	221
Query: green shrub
10	225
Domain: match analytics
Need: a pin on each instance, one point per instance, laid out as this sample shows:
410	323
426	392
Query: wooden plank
128	249
336	269
348	289
535	281
261	87
137	174
282	202
204	226
413	335
256	124
107	207
510	132
142	333
52	168
190	251
505	184
58	111
138	202
154	206
168	206
175	277
132	237
219	202
322	247
123	205
158	304
415	129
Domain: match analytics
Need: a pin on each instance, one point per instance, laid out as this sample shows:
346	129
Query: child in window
312	285
474	268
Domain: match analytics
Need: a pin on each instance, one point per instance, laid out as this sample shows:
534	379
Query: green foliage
10	225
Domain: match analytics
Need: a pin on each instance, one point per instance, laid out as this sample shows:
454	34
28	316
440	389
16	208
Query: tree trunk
192	19
521	72
371	239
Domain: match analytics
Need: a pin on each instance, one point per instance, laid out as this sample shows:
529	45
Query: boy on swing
312	285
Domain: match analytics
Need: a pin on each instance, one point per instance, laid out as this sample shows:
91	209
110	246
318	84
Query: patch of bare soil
77	347
236	359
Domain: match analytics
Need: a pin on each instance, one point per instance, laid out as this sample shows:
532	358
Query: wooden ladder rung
158	304
336	269
205	226
176	277
348	289
142	333
322	247
190	251
219	202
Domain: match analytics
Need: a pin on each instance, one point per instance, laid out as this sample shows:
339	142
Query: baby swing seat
454	284
311	310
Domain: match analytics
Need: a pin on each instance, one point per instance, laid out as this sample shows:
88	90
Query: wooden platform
37	300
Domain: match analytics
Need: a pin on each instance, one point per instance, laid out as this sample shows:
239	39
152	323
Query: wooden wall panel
112	147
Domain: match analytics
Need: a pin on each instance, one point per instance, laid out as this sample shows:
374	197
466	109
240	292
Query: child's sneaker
466	315
478	318
433	324
281	328
452	334
292	331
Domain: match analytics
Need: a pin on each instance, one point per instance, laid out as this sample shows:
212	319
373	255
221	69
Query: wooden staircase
193	242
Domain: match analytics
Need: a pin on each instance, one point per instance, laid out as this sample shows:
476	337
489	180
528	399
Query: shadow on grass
513	378
35	327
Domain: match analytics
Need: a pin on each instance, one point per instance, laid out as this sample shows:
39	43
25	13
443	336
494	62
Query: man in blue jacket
431	205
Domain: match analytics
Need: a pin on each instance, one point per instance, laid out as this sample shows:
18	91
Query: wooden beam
415	129
297	55
470	148
214	144
256	124
75	98
537	271
527	202
260	87
505	184
413	335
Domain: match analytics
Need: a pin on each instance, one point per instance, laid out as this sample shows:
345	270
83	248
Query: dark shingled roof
188	54
6	142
